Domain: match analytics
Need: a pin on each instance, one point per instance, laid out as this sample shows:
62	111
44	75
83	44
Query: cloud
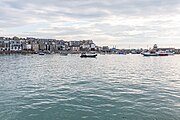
107	22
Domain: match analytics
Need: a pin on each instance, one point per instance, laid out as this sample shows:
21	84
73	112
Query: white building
75	48
27	46
16	45
86	46
93	46
6	45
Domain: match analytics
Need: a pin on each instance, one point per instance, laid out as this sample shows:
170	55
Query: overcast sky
124	23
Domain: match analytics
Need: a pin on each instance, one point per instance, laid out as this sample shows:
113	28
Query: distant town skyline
124	24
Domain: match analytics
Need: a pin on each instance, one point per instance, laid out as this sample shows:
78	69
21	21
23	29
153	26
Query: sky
120	23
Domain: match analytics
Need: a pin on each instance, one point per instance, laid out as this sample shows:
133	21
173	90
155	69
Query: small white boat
88	54
41	53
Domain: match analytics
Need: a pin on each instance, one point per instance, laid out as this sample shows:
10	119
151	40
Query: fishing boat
150	54
159	53
88	54
162	53
165	53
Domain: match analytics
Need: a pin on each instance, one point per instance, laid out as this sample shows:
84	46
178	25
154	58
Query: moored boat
88	54
163	54
63	53
122	53
170	53
41	53
160	53
150	54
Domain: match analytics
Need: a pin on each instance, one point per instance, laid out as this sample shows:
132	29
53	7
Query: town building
31	44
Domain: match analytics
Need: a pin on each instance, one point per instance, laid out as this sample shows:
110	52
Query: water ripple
114	87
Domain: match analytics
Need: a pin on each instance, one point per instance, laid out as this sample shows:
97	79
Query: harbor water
109	87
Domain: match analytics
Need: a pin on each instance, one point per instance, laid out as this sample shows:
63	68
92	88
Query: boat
41	53
122	53
159	53
150	54
63	54
88	54
170	53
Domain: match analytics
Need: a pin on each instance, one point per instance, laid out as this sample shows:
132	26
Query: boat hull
157	54
41	54
147	54
163	54
63	54
91	56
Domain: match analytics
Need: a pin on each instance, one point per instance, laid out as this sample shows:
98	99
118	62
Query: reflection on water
55	87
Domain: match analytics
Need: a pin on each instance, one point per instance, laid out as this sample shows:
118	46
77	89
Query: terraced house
15	44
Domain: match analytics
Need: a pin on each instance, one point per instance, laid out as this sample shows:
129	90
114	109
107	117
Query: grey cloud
92	8
106	20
